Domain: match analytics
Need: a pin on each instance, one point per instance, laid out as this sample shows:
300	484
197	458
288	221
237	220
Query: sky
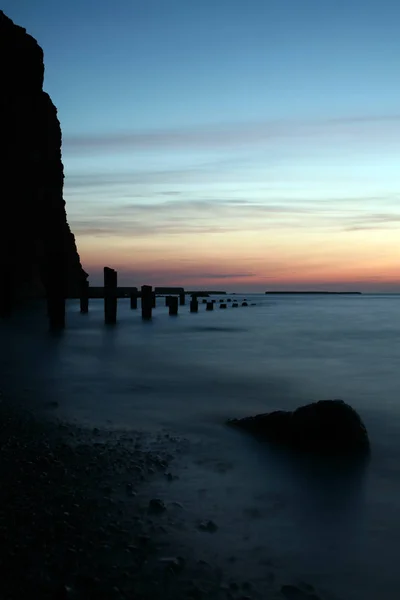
228	144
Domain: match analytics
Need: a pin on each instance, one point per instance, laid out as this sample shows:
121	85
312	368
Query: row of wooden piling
148	302
56	302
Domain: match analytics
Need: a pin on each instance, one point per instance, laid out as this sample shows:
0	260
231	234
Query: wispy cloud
231	275
173	214
372	221
171	217
230	135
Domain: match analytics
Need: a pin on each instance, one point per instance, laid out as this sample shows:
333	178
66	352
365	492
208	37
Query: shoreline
86	514
70	517
78	522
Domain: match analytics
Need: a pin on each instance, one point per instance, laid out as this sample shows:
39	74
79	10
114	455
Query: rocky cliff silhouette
38	253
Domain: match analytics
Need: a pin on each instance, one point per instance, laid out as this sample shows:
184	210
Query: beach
141	409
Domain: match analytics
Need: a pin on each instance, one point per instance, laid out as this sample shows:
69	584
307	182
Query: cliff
37	249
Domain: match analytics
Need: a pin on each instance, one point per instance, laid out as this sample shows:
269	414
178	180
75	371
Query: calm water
188	374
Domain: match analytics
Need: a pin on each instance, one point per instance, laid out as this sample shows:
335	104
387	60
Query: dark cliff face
38	250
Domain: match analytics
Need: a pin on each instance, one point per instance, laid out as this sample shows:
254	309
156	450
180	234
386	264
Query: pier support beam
84	299
182	298
194	305
110	296
147	302
173	305
134	297
210	306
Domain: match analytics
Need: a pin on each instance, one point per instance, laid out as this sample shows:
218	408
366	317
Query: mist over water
189	374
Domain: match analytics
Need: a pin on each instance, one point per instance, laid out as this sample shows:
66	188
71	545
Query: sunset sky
228	144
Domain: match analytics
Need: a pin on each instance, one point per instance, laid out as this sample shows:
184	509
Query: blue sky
249	143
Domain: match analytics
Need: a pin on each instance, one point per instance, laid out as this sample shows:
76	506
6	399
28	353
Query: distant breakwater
319	293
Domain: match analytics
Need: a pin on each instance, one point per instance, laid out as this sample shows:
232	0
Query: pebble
156	505
292	592
247	585
209	526
174	563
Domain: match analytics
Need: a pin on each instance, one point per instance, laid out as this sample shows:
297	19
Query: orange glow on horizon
245	260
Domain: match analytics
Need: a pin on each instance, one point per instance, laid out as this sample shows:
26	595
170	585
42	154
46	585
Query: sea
187	375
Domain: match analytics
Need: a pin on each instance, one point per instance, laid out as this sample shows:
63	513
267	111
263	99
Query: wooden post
173	305
194	305
110	296
210	306
153	299
84	299
134	300
147	301
182	299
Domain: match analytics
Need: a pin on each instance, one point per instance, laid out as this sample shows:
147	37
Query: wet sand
78	520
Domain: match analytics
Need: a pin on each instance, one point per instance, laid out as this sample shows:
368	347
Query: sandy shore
78	521
72	525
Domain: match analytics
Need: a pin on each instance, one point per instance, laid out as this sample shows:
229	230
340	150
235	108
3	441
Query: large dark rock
327	427
37	249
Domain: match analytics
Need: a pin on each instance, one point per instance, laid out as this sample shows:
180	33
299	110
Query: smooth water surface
190	373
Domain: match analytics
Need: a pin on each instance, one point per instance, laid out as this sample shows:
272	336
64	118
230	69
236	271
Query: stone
38	254
156	505
208	526
326	427
292	592
173	563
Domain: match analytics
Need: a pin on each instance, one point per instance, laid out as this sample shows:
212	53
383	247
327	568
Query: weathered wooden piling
153	300
182	299
110	296
134	297
147	301
194	305
173	305
84	299
210	306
